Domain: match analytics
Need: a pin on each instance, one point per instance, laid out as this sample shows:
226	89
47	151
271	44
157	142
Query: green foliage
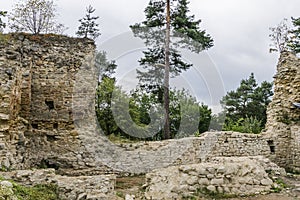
248	101
38	192
184	26
187	116
185	33
88	25
205	118
104	92
247	125
279	185
284	118
35	16
120	194
2	24
5	169
295	38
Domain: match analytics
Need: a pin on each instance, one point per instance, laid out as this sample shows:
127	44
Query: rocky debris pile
230	176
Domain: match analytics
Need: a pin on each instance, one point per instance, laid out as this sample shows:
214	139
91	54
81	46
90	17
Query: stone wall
38	94
69	188
283	124
12	125
225	176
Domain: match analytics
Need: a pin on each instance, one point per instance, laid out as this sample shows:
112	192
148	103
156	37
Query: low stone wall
143	157
69	188
230	176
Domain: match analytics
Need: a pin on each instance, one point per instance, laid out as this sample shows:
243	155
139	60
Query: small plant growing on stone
279	185
284	118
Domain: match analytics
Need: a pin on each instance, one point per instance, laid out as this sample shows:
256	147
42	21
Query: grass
38	192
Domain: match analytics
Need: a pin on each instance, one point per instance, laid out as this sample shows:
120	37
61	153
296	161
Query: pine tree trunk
167	75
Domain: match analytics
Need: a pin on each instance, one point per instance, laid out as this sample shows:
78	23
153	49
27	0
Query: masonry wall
283	124
38	77
12	126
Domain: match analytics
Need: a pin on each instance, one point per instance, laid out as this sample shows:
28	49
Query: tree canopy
280	37
248	101
295	38
88	26
35	16
168	27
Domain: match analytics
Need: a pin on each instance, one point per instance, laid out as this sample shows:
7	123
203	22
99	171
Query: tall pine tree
295	40
168	27
88	26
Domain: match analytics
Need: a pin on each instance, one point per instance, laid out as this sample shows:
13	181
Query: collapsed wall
283	123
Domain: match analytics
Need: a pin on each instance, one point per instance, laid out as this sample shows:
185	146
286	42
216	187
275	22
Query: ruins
47	120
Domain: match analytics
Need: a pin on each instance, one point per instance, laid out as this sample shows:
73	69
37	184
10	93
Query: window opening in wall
55	126
51	138
50	104
272	146
35	126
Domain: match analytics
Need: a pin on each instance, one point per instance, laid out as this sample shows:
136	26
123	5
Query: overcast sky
240	29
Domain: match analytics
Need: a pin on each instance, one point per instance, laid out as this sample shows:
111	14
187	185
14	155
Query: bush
247	125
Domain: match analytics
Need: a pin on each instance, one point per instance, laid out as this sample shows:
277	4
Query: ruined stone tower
41	89
283	124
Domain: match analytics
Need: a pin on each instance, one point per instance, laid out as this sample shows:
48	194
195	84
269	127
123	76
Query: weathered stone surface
174	181
69	188
283	124
6	184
